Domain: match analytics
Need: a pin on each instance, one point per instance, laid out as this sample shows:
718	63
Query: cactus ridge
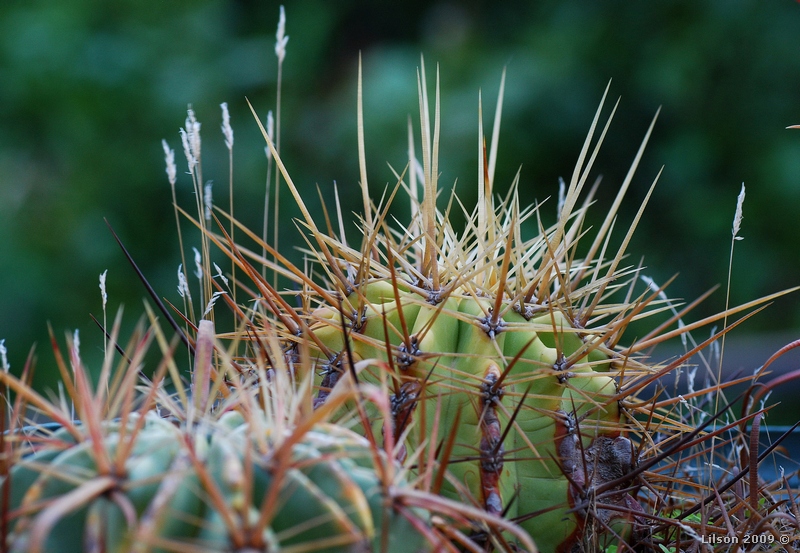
331	496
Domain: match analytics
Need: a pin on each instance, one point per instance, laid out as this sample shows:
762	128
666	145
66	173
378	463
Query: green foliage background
88	89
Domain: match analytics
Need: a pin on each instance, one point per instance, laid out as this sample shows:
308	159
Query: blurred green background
88	89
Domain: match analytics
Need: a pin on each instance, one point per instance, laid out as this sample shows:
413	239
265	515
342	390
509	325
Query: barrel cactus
500	345
515	392
331	498
254	472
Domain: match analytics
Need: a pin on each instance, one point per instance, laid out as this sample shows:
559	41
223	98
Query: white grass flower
76	344
187	150
103	288
690	377
169	157
280	37
190	138
208	200
661	294
183	286
226	125
270	133
193	128
561	195
198	263
737	218
737	224
714	351
211	302
220	275
764	400
4	356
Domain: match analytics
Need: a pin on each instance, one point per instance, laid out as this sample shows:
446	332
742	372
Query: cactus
331	498
508	379
254	471
429	390
330	494
502	356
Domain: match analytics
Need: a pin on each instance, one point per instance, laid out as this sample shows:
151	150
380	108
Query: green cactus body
515	338
331	498
456	358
